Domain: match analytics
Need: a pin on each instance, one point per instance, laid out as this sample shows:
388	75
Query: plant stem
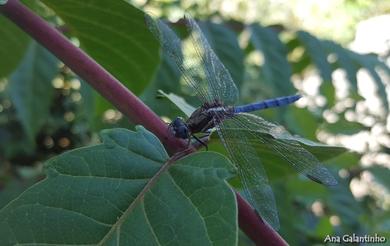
125	101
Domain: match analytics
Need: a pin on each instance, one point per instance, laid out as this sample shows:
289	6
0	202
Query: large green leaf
115	35
276	70
13	44
30	88
104	194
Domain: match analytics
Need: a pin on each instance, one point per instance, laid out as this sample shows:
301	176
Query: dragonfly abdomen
270	103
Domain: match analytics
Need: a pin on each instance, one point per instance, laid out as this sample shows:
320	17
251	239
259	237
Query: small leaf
96	195
179	102
31	90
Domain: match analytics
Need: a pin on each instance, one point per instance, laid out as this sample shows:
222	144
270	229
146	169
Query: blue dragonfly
239	131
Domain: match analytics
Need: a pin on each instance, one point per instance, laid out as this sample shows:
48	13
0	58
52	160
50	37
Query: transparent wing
279	140
171	45
199	65
251	172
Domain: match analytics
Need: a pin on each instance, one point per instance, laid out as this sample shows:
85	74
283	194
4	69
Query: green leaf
115	35
86	108
371	63
343	203
278	167
276	69
344	60
381	175
301	121
323	228
102	195
31	90
12	189
343	126
167	79
322	151
179	102
317	54
13	45
225	44
346	160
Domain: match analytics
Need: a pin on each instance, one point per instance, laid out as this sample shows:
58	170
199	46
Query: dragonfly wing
279	140
172	46
251	172
199	65
219	81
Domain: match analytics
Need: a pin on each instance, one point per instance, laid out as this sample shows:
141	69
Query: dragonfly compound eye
181	132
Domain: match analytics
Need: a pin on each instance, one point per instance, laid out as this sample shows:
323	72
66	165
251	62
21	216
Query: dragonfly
239	130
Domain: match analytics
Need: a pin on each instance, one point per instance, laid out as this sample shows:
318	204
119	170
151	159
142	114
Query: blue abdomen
270	103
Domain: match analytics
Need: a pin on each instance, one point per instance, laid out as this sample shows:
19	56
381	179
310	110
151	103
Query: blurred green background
333	52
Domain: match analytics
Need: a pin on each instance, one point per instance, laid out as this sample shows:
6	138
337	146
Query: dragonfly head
179	128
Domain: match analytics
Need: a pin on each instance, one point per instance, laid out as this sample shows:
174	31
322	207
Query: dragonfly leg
189	142
201	142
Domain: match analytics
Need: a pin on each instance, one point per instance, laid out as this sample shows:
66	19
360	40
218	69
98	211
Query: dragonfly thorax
205	117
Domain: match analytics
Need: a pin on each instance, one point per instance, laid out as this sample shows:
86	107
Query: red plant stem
125	101
255	227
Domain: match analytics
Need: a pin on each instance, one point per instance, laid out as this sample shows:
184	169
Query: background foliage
46	109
